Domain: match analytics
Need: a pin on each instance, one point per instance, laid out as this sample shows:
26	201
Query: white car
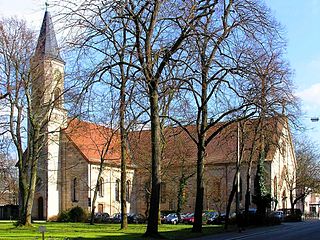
171	218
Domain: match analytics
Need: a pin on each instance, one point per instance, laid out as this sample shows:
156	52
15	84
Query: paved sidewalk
239	235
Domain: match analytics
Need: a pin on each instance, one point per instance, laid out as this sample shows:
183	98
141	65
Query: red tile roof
92	141
221	150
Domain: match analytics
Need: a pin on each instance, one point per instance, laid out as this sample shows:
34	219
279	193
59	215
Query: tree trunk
152	227
230	200
248	194
24	220
95	193
124	219
28	169
182	184
292	201
201	148
197	226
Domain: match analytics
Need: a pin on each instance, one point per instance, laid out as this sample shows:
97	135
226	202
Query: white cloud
29	10
311	95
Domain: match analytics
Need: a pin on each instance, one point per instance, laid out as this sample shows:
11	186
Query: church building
74	149
69	163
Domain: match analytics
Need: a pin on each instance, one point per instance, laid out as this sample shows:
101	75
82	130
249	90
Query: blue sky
300	20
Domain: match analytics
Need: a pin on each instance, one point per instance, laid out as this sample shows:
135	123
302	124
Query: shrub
63	216
75	214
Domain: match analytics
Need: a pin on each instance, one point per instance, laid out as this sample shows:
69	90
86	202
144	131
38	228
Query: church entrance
100	208
40	208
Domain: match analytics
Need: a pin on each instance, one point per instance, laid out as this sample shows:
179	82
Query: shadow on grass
166	234
73	231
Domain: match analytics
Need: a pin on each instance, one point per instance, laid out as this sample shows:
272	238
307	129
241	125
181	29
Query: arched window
57	97
241	188
284	199
39	184
40	208
163	192
128	193
275	188
117	190
216	189
74	190
101	187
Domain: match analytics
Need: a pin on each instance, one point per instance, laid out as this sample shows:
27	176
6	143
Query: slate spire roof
47	45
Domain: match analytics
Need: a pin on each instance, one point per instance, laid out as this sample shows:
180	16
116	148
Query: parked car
289	217
213	218
208	214
163	215
278	215
171	218
183	216
101	217
188	219
136	218
115	218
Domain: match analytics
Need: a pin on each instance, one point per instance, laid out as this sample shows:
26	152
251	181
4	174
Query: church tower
47	69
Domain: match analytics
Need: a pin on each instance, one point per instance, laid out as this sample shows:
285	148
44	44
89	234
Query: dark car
115	218
277	215
136	218
291	217
101	217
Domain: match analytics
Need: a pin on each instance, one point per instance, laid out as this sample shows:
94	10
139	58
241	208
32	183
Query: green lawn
98	231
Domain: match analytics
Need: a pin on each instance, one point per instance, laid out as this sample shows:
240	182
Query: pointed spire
47	45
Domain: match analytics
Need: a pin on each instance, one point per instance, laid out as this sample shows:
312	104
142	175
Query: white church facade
69	163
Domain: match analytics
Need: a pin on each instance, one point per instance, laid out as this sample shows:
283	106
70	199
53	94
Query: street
307	230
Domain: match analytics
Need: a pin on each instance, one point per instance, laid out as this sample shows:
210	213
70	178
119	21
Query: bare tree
8	175
306	180
153	48
103	31
17	45
24	73
210	41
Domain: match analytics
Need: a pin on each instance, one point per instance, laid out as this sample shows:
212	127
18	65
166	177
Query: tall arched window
163	192
275	188
216	189
128	191
101	187
117	190
74	190
57	97
240	194
284	199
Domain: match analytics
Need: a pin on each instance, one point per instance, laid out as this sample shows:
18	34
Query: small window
57	97
275	187
74	190
163	192
216	190
128	191
117	190
101	187
39	184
